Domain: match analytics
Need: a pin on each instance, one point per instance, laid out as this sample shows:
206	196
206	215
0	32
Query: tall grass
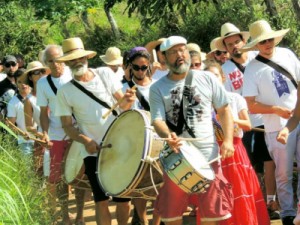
23	199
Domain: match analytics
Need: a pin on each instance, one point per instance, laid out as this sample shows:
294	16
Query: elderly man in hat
231	40
270	88
199	92
75	98
53	132
113	59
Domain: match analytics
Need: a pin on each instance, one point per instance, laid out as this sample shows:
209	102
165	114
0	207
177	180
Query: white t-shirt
234	83
46	97
119	74
15	109
144	90
271	87
88	112
205	93
159	74
237	104
2	76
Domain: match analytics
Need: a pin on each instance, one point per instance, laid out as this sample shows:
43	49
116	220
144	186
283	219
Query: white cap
172	41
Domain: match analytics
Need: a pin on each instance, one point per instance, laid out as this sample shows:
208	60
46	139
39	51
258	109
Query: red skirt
249	205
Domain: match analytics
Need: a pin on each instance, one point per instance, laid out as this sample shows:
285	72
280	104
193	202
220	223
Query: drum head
120	165
197	160
73	161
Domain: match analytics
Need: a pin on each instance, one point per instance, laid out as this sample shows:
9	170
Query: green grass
23	201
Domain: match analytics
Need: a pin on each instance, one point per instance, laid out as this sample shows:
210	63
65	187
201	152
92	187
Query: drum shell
183	174
130	133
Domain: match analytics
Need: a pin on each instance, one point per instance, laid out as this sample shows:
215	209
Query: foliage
22	198
20	35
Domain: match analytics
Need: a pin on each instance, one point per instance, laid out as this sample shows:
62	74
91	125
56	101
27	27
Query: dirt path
89	214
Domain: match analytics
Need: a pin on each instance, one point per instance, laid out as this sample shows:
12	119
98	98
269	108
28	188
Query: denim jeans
283	156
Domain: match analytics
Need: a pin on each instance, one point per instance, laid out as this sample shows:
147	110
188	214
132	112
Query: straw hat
32	66
213	48
196	48
73	49
228	30
112	56
261	30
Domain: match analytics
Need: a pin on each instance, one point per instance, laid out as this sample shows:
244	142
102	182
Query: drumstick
24	134
116	105
154	55
258	129
211	161
182	139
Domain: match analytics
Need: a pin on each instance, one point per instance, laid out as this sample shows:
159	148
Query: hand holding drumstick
129	96
24	134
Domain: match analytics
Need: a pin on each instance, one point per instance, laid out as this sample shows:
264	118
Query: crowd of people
236	105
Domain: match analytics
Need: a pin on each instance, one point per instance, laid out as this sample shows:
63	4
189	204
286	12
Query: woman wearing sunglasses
35	70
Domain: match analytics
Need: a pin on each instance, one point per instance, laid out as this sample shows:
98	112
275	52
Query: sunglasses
195	65
37	72
137	68
265	41
9	64
218	53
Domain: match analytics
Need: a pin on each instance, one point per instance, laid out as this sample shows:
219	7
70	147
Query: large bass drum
73	167
130	168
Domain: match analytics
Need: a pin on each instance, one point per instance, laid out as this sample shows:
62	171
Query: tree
21	34
271	8
107	7
296	6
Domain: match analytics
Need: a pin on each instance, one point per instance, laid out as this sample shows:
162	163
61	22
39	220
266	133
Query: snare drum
73	167
125	170
188	169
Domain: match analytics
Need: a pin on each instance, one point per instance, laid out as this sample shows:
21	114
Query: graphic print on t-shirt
193	112
280	83
175	105
236	79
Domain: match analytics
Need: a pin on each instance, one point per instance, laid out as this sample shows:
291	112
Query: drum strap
20	98
92	96
278	68
54	89
140	97
181	119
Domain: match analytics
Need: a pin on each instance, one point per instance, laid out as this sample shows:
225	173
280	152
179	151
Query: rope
153	163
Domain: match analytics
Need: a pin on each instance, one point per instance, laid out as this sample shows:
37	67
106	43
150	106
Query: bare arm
243	121
90	145
44	120
226	121
28	114
126	99
292	122
257	107
12	119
